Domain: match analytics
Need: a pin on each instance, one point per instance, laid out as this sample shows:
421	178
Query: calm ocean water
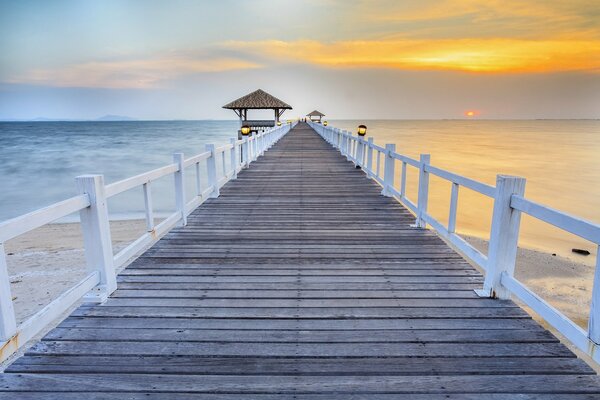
560	159
39	160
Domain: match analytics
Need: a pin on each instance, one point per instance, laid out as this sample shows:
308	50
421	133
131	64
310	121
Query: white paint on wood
453	208
179	176
30	221
423	193
403	180
504	235
388	170
8	323
96	237
211	168
479	187
198	180
370	157
138	180
233	157
594	319
577	226
148	207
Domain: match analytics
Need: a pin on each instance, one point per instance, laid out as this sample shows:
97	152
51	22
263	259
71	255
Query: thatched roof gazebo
258	100
315	116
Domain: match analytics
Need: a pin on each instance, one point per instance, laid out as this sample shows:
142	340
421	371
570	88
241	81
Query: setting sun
471	113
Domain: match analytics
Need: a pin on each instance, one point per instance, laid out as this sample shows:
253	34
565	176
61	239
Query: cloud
476	18
475	55
132	74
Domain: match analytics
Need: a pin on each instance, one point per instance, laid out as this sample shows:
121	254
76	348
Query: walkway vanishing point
299	282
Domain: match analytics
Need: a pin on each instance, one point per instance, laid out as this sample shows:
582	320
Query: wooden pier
300	281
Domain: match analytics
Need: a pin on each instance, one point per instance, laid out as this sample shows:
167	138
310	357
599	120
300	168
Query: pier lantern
324	123
245	130
362	130
278	123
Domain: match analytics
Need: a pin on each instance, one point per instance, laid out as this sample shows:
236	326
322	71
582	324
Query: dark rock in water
553	254
581	251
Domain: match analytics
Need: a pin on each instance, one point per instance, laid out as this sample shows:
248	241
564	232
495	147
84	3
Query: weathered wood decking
299	282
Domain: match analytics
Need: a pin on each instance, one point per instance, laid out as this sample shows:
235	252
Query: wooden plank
298	312
139	322
250	349
301	336
566	384
321	366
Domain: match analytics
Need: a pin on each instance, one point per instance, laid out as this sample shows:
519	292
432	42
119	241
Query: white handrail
509	203
92	204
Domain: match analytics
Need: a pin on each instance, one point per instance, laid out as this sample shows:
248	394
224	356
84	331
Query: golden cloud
476	55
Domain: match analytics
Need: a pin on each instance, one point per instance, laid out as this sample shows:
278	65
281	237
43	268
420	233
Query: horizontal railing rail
498	264
221	164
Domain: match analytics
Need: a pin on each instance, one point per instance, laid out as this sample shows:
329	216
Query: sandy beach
45	262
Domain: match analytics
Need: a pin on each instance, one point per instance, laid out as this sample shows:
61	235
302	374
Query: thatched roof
315	114
258	100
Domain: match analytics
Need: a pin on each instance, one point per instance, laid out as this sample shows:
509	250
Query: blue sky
351	59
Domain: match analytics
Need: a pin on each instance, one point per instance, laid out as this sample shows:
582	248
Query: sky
350	59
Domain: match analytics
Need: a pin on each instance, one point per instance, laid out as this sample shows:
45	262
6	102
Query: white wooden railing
91	203
379	163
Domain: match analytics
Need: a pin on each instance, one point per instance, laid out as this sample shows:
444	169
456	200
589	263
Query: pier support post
369	168
96	237
211	169
8	322
388	170
234	157
504	237
423	197
179	175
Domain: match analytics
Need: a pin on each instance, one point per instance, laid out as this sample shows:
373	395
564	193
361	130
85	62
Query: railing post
348	146
211	169
245	154
504	237
178	159
594	319
388	172
359	152
8	322
234	157
423	196
96	237
369	157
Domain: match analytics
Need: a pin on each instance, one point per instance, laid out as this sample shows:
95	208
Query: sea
559	158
